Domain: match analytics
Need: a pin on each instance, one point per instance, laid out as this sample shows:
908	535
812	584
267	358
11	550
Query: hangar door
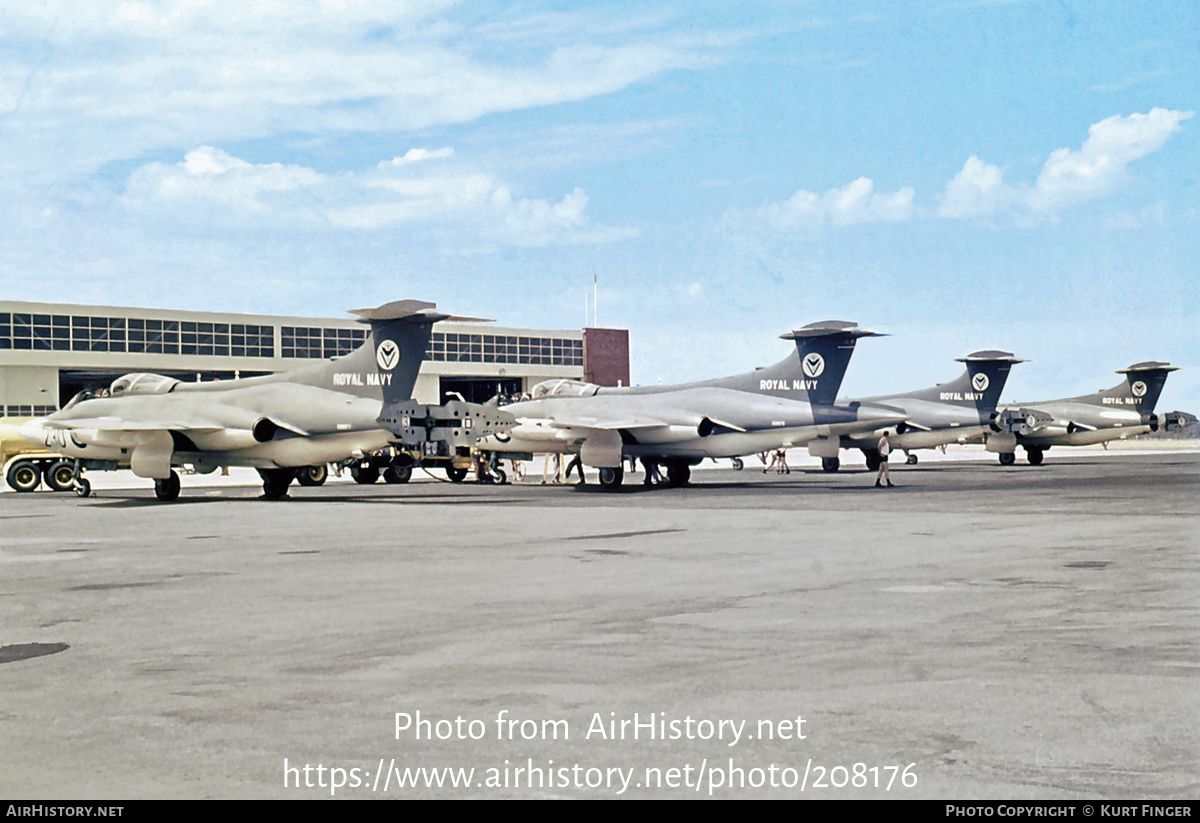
479	389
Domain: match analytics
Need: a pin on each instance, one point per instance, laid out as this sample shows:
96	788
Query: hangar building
50	351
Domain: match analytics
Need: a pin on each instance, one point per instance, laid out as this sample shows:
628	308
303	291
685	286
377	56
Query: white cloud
215	185
1071	177
1068	178
975	191
416	155
210	176
94	82
855	202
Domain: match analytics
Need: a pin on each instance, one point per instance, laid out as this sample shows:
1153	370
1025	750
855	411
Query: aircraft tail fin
815	370
407	324
1139	390
980	385
401	331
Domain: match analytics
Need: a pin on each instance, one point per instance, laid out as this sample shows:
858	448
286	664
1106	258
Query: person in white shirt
885	448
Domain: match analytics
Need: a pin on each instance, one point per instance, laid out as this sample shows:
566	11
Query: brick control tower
606	356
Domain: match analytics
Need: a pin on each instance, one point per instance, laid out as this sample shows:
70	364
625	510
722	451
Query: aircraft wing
560	421
120	424
638	421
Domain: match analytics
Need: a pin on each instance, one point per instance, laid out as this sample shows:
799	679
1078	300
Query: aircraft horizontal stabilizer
991	356
825	328
417	310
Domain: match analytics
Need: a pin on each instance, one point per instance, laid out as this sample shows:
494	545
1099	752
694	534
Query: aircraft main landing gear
165	489
312	475
610	478
832	464
276	482
1007	458
678	474
1035	455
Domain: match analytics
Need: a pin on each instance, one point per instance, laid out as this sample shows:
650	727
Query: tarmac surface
977	632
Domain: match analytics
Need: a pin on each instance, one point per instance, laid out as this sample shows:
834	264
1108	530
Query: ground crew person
885	448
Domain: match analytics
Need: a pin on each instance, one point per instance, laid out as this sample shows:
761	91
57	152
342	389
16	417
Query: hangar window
340	342
22	331
301	342
251	340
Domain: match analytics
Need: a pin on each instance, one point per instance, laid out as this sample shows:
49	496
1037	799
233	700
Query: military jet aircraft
317	414
1113	414
788	404
961	411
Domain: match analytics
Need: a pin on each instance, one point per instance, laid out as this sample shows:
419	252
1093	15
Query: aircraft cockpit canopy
563	387
141	383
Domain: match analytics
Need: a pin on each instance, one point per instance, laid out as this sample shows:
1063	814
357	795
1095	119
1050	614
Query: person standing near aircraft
885	448
576	465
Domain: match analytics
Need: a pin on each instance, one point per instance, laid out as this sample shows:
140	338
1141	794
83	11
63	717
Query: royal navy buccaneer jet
961	411
277	424
1113	414
785	405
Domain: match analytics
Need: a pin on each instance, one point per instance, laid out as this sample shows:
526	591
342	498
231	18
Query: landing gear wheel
456	475
832	464
366	475
678	474
501	477
24	476
60	476
396	474
1035	456
911	460
874	458
83	488
167	489
276	482
312	475
738	465
1007	458
610	478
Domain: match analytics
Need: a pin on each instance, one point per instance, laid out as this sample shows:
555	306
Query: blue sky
960	175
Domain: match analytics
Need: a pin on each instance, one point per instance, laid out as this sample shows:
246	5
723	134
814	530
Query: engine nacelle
824	447
1001	442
